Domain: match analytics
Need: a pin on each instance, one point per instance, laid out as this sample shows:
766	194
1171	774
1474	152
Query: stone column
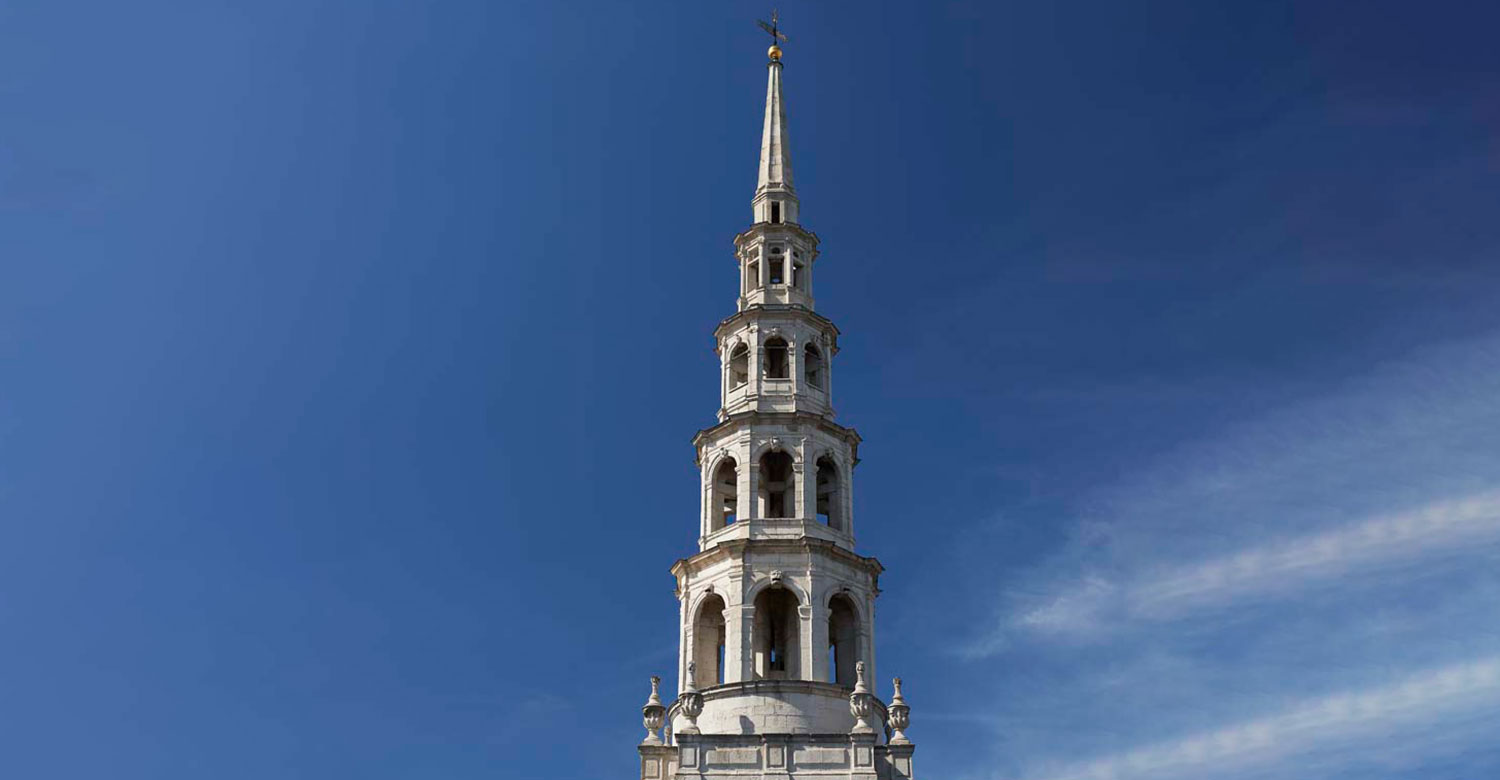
867	636
724	352
846	498
793	366
756	360
827	345
819	634
742	482
684	636
739	656
807	632
685	655
750	502
706	514
808	497
799	488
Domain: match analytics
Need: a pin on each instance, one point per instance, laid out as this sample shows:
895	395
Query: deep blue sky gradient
350	351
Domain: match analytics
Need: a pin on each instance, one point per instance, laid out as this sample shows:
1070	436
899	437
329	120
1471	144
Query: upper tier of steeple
776	253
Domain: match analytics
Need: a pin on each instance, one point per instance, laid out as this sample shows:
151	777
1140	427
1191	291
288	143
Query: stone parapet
790	757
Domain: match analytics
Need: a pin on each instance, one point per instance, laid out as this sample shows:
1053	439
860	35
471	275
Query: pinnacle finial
777	37
653	714
861	703
900	716
690	700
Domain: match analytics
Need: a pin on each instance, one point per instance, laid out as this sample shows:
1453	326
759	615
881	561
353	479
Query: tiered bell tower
777	627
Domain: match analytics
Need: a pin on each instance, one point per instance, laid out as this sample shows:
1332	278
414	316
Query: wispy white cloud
1360	722
1284	566
1392	474
1279	568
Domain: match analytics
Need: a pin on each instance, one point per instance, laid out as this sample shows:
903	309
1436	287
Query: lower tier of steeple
793	610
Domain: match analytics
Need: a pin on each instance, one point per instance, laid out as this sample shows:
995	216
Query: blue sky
351	353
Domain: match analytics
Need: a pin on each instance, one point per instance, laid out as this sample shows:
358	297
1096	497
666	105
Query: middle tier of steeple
776	358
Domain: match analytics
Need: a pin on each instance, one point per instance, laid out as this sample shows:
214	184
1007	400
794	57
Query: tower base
776	757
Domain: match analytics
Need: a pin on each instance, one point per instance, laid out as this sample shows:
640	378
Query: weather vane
777	37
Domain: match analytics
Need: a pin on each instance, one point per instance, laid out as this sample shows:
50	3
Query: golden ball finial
774	53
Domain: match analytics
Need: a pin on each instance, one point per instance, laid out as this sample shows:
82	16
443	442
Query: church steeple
775	198
777	608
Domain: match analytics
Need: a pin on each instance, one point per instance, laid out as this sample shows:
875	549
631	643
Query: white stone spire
775	158
775	198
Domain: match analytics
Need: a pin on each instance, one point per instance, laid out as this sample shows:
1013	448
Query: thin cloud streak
1440	526
1461	525
1347	721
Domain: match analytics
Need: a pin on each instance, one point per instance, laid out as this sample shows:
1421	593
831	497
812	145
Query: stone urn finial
691	701
900	716
653	714
861	703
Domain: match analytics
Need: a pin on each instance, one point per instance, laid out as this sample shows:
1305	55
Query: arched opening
776	634
776	358
776	488
812	367
843	640
830	498
739	367
708	642
726	494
